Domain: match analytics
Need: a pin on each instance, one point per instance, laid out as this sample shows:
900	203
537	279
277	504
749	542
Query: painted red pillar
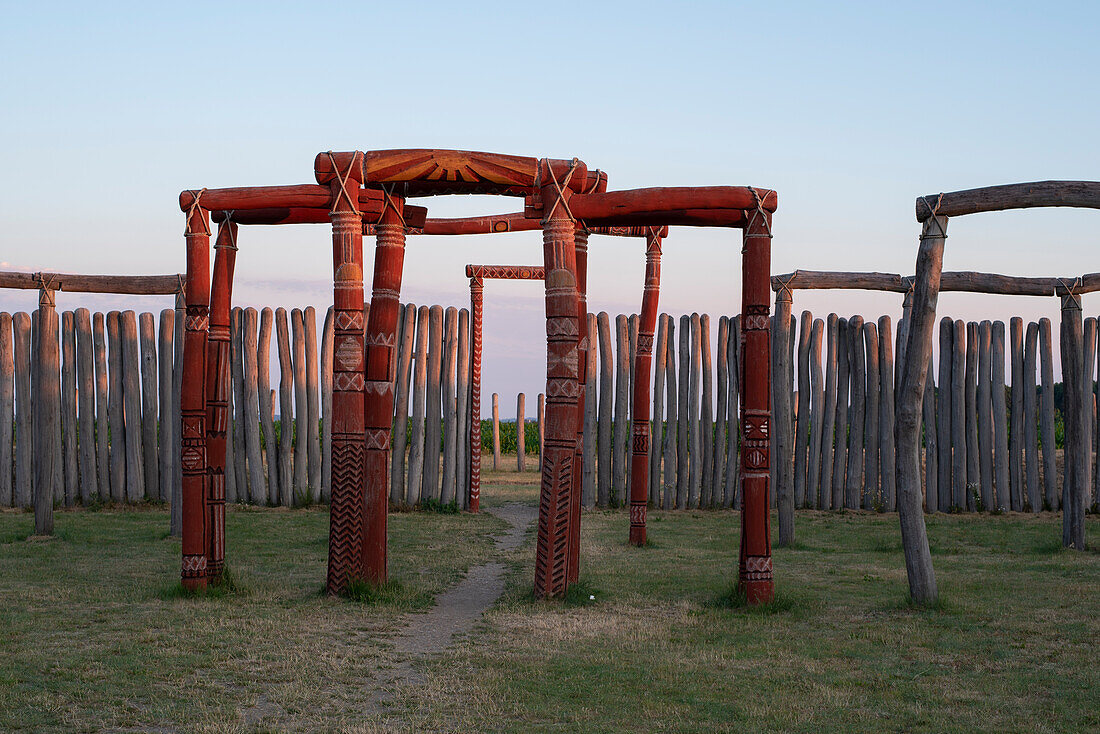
755	567
218	387
381	342
348	447
580	240
193	397
643	359
562	389
477	304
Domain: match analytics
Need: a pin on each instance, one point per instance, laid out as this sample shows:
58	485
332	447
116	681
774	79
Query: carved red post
217	394
381	342
193	396
580	240
348	448
562	390
755	567
643	358
477	303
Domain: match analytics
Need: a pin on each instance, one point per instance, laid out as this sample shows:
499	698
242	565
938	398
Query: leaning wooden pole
643	360
918	557
193	397
755	563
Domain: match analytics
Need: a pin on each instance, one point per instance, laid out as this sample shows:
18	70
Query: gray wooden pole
887	458
931	439
1016	432
102	382
858	414
621	424
286	410
1074	491
405	342
47	414
462	411
167	432
657	438
817	411
1031	415
706	415
828	419
1088	395
591	401
669	447
250	413
448	376
175	517
1000	420
943	418
802	417
872	492
521	438
541	422
984	407
607	403
496	431
1046	416
632	341
68	408
115	430
683	423
85	364
302	491
695	450
263	389
433	418
733	464
7	408
420	397
720	424
958	417
313	406
147	334
843	383
24	415
235	440
970	404
131	397
328	337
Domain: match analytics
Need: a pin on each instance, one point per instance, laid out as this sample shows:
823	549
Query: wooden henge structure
60	370
360	192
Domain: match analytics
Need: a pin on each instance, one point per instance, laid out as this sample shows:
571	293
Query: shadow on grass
226	585
735	600
392	594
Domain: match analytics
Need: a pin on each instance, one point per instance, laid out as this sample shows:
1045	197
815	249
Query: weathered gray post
887	458
449	489
496	431
733	455
802	417
1074	492
858	413
85	362
683	424
706	415
695	438
302	491
47	415
1088	395
669	447
1031	412
251	408
131	397
267	409
24	415
148	344
719	462
828	420
942	501
591	401
1046	416
607	402
433	428
781	400
420	396
817	408
619	488
1000	420
843	382
1016	433
7	407
931	445
406	337
958	417
286	410
313	407
68	407
970	397
872	493
521	438
462	410
984	401
328	338
115	429
236	452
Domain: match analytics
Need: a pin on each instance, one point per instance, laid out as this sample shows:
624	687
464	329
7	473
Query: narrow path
456	610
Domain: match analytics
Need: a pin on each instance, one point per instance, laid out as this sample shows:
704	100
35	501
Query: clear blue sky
849	110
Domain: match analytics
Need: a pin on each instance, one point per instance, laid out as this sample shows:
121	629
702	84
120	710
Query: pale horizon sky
849	110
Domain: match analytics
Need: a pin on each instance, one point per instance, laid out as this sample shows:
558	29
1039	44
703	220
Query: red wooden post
643	358
217	394
381	342
193	396
755	567
348	446
562	391
580	240
477	302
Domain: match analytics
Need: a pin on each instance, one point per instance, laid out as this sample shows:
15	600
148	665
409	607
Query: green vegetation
98	634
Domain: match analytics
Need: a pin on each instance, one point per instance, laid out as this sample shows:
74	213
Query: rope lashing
1070	290
560	188
389	203
343	181
784	288
758	212
46	288
934	216
229	224
196	197
182	290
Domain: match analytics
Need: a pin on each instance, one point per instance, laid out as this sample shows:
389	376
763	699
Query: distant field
95	635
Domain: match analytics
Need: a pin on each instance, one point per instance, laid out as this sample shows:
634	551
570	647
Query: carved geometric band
377	439
755	322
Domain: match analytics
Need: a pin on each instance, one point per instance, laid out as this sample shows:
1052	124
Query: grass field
94	634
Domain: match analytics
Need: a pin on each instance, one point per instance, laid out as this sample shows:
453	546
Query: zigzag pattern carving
552	543
346	515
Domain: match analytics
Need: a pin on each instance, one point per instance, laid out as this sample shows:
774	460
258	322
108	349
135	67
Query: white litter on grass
592	597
